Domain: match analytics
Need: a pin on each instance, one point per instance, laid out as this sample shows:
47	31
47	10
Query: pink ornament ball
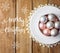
46	32
42	26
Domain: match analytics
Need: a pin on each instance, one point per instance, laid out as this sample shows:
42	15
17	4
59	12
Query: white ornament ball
57	24
51	17
59	31
59	18
43	19
54	32
50	25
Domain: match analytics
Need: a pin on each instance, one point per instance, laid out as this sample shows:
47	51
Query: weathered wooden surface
7	9
22	38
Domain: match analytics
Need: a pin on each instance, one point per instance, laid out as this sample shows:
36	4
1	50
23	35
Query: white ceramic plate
33	24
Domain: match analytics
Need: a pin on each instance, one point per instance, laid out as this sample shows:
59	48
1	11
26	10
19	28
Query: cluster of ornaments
49	25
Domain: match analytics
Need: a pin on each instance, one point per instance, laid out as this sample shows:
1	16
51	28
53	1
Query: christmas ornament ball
43	19
42	26
46	32
57	24
54	32
51	17
50	25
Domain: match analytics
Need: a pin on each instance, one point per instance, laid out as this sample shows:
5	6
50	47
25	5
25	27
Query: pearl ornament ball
57	25
43	19
51	17
42	26
50	25
46	32
54	32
